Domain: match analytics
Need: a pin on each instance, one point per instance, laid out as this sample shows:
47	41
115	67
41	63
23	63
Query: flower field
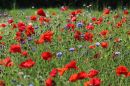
65	47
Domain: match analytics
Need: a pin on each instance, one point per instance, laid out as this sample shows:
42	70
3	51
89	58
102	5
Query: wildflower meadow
65	47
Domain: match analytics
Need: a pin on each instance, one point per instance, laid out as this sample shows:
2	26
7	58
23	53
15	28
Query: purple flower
29	38
65	28
23	42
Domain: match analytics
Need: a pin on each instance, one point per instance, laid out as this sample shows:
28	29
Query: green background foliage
54	3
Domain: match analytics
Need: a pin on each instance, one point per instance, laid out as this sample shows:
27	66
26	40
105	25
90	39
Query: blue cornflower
80	24
30	85
71	49
33	49
97	44
59	54
36	27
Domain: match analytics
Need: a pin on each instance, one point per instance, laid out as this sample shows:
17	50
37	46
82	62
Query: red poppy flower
24	53
77	35
45	37
7	62
106	11
49	82
22	28
29	30
94	18
18	36
15	48
100	19
41	12
3	25
14	26
93	73
128	32
104	33
53	72
121	70
61	71
71	64
1	37
71	26
98	22
73	77
126	12
78	11
116	16
88	36
73	19
104	44
94	82
123	20
128	74
43	19
64	8
74	13
119	24
92	47
10	21
82	75
27	63
46	55
90	27
3	43
20	24
86	83
33	18
117	40
2	83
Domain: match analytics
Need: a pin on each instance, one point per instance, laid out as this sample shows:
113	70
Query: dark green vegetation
54	3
